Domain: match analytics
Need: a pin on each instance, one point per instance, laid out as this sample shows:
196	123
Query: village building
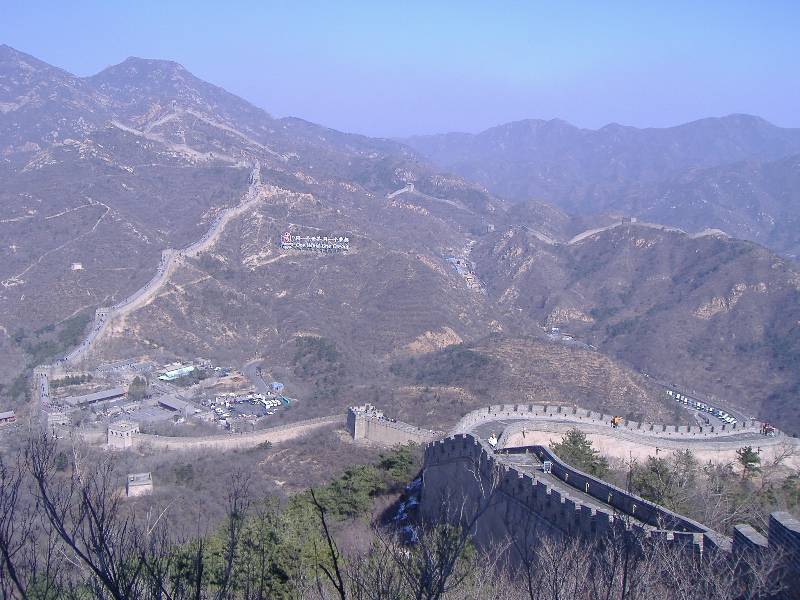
88	399
176	405
173	374
138	484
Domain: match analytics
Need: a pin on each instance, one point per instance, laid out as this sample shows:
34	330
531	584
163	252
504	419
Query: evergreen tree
750	461
137	389
576	450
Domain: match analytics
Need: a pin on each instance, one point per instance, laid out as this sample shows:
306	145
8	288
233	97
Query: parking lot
705	413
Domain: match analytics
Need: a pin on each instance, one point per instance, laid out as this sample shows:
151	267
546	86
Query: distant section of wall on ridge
368	423
580	415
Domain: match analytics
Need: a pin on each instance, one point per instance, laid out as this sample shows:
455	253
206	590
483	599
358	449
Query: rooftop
140	478
95	397
173	403
123	426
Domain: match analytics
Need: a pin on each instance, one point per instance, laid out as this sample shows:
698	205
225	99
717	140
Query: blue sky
400	68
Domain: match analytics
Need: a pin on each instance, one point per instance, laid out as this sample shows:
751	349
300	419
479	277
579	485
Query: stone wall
784	530
366	423
462	474
580	415
617	499
243	440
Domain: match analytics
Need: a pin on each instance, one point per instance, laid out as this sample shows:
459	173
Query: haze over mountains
107	171
737	173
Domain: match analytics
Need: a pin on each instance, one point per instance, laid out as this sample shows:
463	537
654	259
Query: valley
444	300
331	302
737	173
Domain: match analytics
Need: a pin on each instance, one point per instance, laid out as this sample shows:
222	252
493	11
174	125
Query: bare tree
548	564
376	575
238	505
84	509
16	530
333	573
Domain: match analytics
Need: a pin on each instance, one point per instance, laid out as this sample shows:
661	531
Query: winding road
251	371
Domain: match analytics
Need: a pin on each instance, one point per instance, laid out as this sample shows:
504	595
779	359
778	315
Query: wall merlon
447	464
747	539
453	462
561	412
784	533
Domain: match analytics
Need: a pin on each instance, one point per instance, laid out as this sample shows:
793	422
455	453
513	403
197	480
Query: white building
138	484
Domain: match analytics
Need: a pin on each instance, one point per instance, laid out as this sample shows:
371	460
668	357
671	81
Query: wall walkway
463	472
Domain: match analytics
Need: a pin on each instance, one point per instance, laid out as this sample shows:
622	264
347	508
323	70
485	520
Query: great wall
506	485
276	434
170	259
520	488
368	423
505	481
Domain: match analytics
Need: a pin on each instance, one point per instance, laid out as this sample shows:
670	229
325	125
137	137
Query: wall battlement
368	423
581	415
520	501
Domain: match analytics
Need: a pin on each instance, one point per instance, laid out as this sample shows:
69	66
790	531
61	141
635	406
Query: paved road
706	399
43	388
251	371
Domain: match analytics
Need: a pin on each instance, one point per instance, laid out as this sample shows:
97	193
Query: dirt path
17	279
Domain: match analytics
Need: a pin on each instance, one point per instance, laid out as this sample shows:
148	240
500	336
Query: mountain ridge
621	169
110	176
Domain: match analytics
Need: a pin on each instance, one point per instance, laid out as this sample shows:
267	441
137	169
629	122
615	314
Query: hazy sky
406	67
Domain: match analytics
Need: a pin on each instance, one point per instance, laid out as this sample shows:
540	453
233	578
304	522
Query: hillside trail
17	279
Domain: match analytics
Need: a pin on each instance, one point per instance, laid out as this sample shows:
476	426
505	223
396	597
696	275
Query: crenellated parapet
577	415
515	497
368	423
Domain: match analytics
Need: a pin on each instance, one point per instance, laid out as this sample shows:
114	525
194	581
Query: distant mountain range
737	173
101	174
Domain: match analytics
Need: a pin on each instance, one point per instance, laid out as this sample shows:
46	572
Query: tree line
67	531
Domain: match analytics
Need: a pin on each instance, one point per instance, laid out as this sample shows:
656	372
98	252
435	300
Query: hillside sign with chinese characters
315	243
